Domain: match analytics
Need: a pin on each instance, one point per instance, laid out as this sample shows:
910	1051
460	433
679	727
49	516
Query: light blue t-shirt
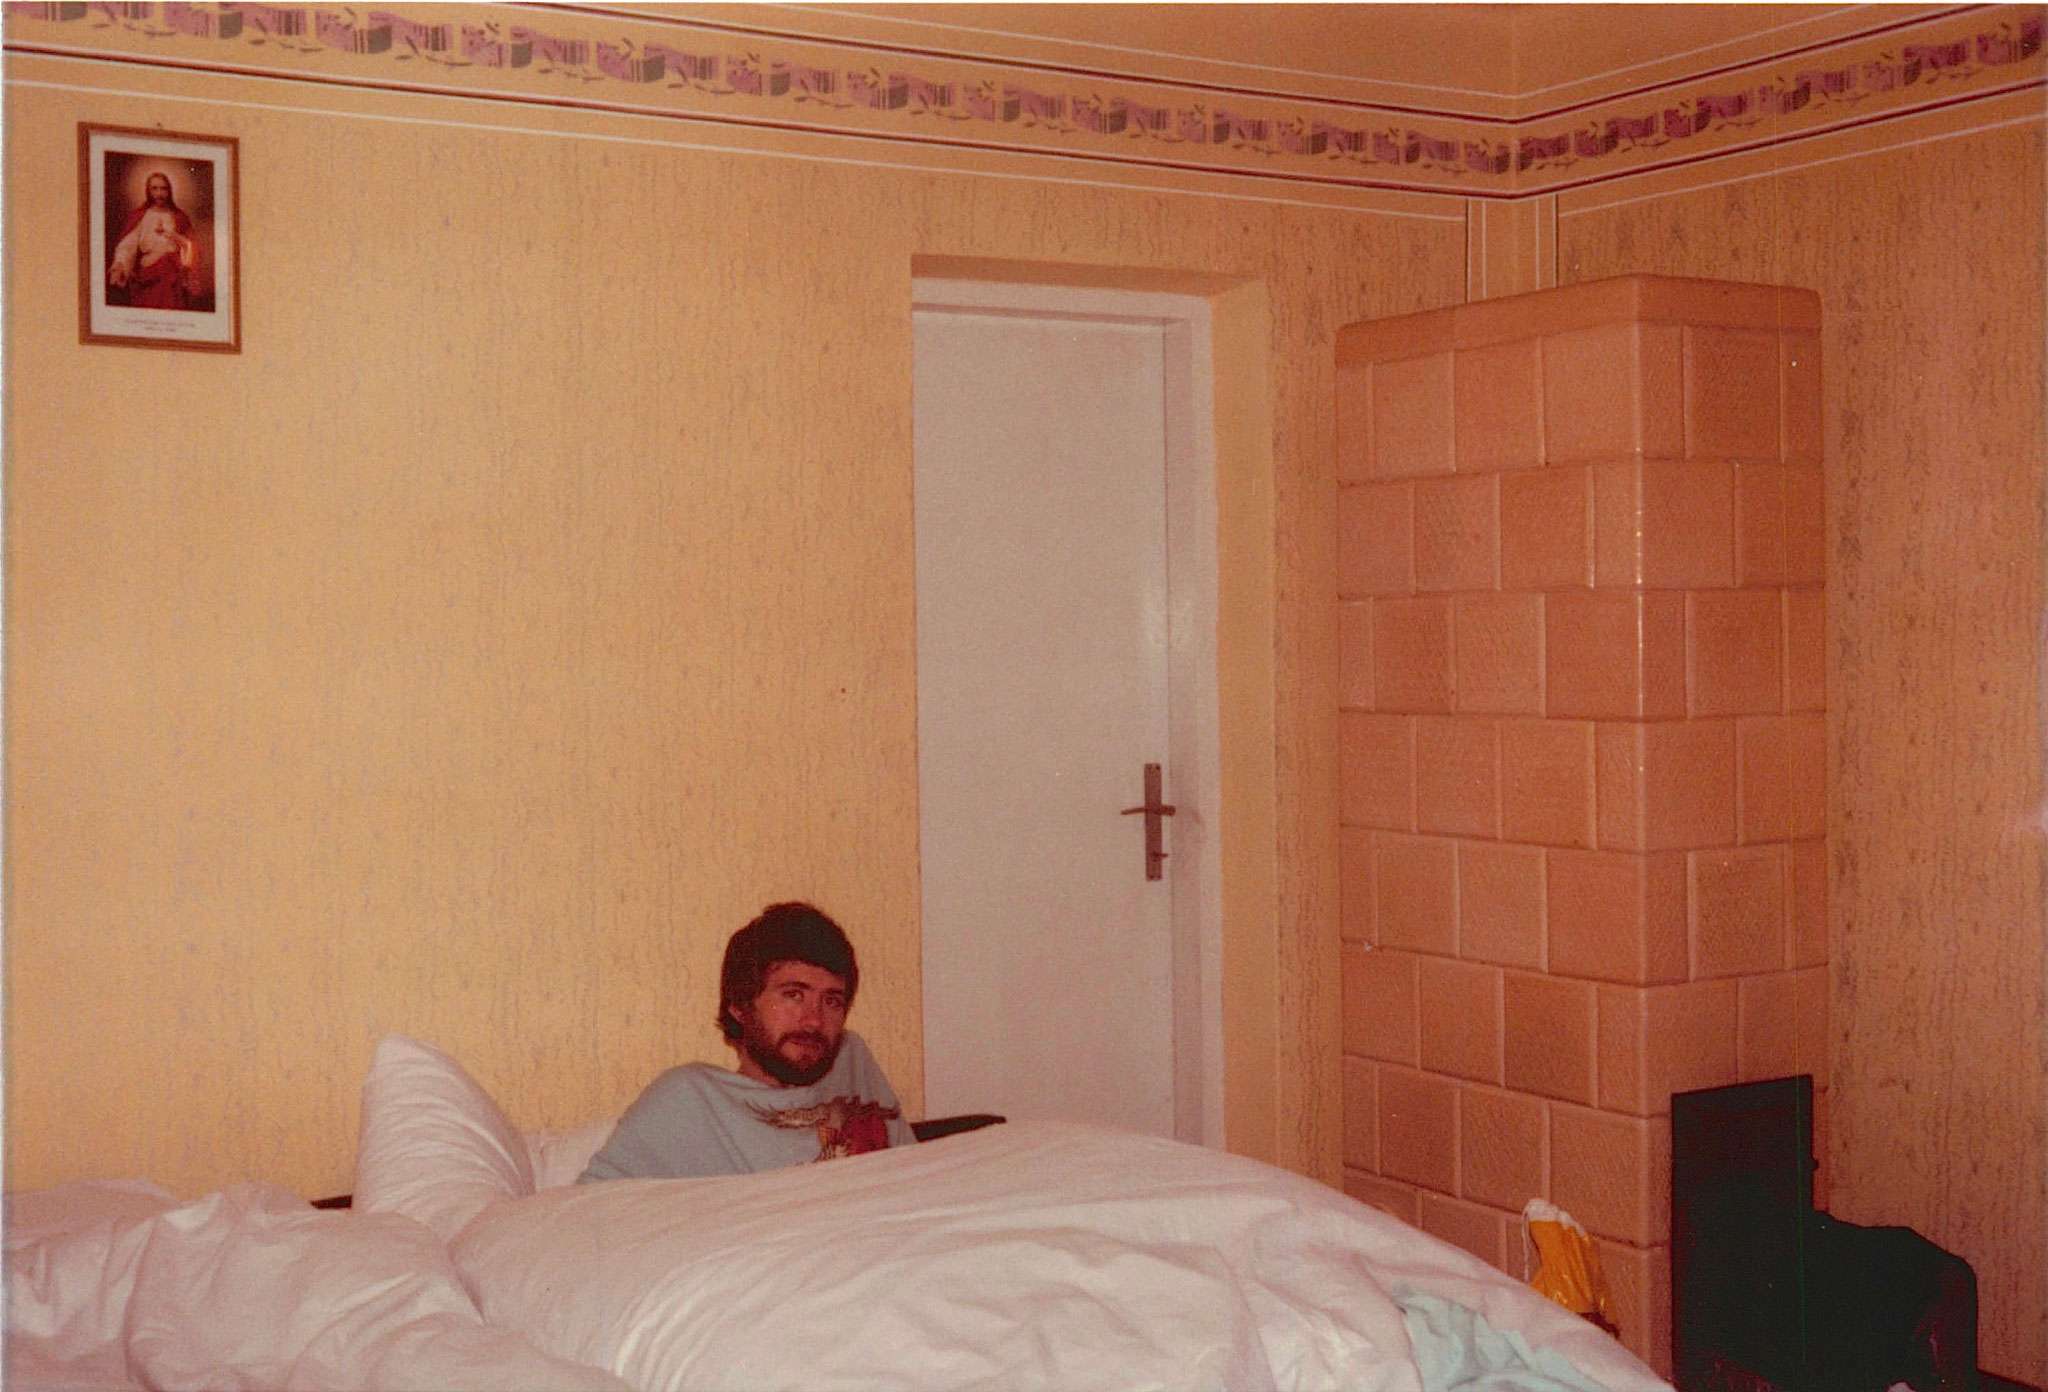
700	1120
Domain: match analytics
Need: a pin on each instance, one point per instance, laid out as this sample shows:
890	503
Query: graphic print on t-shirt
845	1125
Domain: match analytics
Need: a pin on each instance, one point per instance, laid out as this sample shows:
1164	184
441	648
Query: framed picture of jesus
159	239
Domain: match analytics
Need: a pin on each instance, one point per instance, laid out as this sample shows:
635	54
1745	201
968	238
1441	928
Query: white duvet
1033	1255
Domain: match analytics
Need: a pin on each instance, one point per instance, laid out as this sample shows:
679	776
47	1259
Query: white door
1059	981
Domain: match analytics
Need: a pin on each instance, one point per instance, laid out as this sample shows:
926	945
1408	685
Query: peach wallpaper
530	599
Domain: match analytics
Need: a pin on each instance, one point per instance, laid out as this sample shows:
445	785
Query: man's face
792	1031
159	190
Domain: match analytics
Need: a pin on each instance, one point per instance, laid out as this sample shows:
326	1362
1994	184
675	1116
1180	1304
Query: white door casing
1065	622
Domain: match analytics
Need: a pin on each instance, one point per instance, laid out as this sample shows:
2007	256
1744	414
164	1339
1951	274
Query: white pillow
434	1146
560	1158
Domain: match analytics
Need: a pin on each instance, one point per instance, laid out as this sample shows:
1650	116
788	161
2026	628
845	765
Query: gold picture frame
159	239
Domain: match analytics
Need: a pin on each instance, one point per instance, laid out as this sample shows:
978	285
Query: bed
1028	1255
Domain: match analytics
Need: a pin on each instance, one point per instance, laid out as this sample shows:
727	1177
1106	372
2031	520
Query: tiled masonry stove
1582	749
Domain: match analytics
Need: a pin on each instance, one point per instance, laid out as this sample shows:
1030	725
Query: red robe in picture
155	255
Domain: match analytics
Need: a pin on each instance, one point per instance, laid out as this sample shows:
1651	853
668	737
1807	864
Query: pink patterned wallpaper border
607	60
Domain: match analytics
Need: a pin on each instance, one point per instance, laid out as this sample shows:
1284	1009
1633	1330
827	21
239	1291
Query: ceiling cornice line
1522	95
653	70
1043	65
1440	111
1708	75
1768	142
564	103
1181	56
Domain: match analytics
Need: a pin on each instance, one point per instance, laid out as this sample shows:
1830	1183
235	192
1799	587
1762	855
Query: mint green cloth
1458	1351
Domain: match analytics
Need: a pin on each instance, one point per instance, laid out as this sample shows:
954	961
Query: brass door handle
1155	828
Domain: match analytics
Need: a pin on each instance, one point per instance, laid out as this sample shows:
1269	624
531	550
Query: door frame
1194	774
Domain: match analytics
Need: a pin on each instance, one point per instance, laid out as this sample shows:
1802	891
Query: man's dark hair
791	932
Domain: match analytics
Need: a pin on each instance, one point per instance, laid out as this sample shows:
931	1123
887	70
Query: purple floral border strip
1912	65
1656	130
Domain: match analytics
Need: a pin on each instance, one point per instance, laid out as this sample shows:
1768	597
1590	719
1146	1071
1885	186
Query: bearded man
806	1088
155	257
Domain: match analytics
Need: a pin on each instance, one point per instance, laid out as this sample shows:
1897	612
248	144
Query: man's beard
768	1054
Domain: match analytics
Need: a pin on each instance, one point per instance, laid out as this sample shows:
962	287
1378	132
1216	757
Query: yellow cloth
1569	1264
